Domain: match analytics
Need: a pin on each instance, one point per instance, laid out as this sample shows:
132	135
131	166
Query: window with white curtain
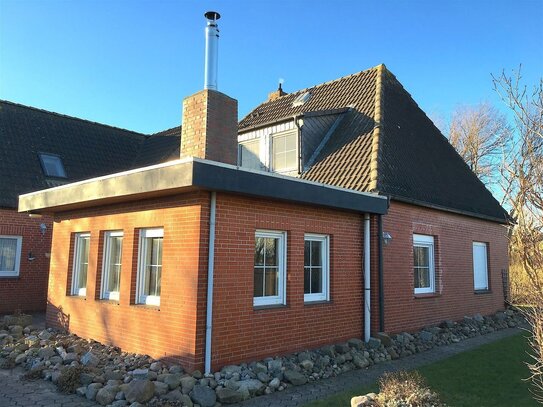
10	255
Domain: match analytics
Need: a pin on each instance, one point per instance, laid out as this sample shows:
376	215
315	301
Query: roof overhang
196	174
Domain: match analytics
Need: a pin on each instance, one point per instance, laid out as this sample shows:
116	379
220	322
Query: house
40	150
333	212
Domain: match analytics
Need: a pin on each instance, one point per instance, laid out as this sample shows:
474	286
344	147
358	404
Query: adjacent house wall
176	328
243	333
26	292
455	296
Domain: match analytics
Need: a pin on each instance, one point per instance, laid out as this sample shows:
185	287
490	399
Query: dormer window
52	165
249	155
301	99
284	151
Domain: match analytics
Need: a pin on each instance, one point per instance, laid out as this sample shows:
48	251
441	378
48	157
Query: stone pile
115	378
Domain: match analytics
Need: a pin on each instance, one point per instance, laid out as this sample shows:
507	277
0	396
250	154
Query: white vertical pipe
367	290
210	270
212	51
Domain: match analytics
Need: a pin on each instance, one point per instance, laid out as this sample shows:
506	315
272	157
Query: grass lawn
491	375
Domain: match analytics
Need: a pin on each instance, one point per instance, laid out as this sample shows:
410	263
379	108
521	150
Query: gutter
367	287
210	271
381	274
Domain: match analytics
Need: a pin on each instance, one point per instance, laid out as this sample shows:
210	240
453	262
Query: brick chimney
210	127
210	118
276	94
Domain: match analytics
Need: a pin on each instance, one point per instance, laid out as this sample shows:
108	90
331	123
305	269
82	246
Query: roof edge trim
378	119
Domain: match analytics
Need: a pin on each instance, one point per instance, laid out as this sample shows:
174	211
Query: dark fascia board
228	178
184	175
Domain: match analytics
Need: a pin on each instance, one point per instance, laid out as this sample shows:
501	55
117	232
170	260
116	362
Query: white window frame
141	298
76	269
240	155
325	253
105	293
486	286
272	157
428	242
279	299
15	272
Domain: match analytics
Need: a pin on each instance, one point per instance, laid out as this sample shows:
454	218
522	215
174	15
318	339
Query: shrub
405	389
70	378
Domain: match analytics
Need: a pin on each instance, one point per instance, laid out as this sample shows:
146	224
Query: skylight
52	165
301	99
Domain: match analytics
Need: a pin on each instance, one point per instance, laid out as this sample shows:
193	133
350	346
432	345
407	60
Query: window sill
147	307
271	306
320	302
110	302
479	292
426	295
10	277
77	297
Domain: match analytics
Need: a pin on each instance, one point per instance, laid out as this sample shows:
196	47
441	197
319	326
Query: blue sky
130	63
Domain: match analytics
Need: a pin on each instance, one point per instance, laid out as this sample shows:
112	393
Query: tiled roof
385	143
87	149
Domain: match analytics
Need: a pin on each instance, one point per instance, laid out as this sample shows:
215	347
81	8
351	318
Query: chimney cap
212	15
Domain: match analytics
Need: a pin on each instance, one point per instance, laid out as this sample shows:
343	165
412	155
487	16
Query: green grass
491	375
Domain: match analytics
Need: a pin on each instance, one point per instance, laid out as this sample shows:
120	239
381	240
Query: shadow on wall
56	318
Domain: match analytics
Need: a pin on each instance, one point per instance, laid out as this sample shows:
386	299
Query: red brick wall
453	238
28	291
173	330
241	332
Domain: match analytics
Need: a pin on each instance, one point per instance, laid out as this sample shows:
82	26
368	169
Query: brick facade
176	330
28	291
210	127
453	239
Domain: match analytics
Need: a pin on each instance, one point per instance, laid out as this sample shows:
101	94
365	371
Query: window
111	270
269	268
10	255
52	165
316	265
81	264
150	266
249	155
284	152
423	270
480	266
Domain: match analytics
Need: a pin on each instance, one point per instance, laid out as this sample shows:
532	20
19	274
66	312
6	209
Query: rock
156	366
426	336
252	386
20	359
295	377
47	352
187	384
360	362
86	378
161	388
105	396
92	390
119	403
113	375
197	374
393	354
384	338
275	383
140	391
203	395
174	395
136	404
32	341
81	391
478	318
260	368
230	370
342	348
373	343
90	359
263	377
45	335
172	380
356	343
70	357
360	401
140	373
328	351
229	396
447	324
307	364
275	365
175	369
304	356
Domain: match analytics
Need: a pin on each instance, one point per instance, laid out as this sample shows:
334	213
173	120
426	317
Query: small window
150	266
480	266
284	152
249	155
81	264
316	265
423	266
269	268
301	99
111	271
52	165
10	255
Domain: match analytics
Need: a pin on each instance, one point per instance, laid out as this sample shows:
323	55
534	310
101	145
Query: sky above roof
130	63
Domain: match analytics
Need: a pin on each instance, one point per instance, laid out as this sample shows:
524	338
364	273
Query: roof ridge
376	136
72	117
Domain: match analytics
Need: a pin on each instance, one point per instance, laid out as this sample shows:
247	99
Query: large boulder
105	396
90	359
295	377
203	395
140	391
229	396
